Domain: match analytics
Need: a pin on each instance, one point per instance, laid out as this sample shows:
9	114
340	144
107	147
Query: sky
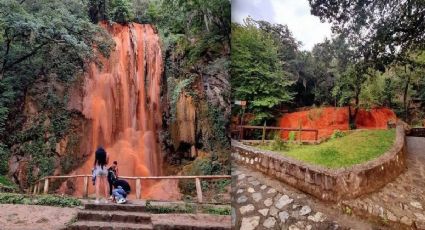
294	13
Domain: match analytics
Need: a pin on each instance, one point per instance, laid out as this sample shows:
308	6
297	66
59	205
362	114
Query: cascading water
122	100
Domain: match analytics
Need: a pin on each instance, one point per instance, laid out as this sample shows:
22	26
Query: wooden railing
264	128
417	132
46	180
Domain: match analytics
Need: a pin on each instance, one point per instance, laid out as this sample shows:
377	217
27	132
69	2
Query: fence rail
264	128
44	182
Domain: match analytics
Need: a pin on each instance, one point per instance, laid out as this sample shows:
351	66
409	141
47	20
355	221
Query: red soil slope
328	119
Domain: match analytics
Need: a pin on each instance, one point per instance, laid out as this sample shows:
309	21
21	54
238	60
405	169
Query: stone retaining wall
323	183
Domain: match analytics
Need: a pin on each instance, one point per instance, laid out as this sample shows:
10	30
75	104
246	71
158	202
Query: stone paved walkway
260	202
263	203
403	200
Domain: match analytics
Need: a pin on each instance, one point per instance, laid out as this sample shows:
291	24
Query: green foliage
161	209
176	88
379	36
291	136
255	64
121	11
201	166
48	200
44	45
278	144
225	211
219	127
354	148
4	158
337	134
5	181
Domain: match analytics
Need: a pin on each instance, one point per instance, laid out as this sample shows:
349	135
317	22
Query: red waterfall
122	101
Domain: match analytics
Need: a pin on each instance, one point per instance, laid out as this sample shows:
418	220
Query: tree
121	11
46	42
382	31
256	70
97	10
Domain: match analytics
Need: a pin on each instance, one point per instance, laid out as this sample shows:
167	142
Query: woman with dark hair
101	172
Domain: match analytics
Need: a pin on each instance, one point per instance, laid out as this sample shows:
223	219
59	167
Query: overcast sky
295	13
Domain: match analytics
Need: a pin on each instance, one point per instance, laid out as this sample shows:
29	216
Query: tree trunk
352	117
405	104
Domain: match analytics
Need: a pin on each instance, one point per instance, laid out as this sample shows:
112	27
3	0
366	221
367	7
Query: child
122	189
112	176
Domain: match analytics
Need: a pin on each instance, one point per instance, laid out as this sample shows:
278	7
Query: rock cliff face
122	103
329	119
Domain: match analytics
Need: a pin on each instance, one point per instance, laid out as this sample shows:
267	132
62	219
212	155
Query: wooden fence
44	182
264	128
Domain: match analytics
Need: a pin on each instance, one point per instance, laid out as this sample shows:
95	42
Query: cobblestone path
259	202
401	203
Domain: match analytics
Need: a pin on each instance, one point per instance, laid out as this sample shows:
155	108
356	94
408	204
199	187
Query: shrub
217	210
169	209
48	200
337	134
121	11
278	144
291	136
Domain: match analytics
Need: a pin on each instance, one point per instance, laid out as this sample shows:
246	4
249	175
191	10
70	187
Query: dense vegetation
46	45
48	200
375	58
342	150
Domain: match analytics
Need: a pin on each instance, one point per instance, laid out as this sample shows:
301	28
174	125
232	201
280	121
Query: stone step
115	207
187	227
96	225
114	216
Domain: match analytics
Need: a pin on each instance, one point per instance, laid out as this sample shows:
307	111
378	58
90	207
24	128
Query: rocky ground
263	203
34	217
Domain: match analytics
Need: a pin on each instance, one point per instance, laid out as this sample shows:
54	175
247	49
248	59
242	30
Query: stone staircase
112	216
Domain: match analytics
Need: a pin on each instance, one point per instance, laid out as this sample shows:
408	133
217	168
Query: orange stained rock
121	98
329	119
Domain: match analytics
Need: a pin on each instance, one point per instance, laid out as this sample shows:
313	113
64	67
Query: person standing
101	172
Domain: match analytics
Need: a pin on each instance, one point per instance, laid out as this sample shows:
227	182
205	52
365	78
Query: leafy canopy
256	70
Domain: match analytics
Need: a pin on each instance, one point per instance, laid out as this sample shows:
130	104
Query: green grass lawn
351	149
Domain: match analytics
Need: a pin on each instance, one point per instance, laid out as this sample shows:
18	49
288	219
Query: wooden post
198	189
317	135
241	124
35	189
39	187
299	132
86	187
263	137
46	185
138	188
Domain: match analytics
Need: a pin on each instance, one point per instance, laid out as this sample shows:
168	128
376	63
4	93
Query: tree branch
23	58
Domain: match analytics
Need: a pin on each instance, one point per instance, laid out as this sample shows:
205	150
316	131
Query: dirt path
260	202
34	217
